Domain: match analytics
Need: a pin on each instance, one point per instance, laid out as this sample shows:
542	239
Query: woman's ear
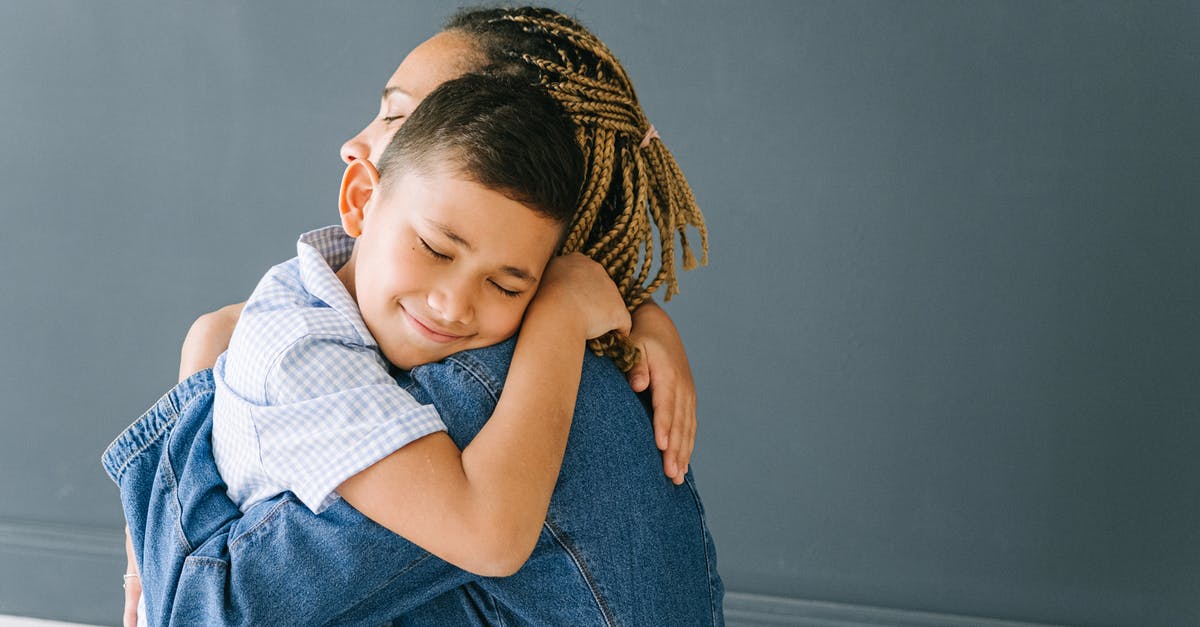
358	185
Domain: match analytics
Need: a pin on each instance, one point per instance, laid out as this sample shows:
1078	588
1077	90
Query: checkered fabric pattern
303	398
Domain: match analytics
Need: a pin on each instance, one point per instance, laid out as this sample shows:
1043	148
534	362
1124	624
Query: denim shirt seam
367	597
255	527
479	371
561	538
709	567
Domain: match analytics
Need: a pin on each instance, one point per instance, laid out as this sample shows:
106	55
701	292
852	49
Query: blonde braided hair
631	187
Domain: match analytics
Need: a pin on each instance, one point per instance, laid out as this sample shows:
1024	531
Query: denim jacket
621	544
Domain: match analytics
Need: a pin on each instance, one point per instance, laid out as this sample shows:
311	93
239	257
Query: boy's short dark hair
500	133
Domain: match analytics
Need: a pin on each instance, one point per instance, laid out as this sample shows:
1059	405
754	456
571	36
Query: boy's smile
429	329
440	264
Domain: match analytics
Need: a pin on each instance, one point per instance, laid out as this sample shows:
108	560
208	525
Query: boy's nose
453	304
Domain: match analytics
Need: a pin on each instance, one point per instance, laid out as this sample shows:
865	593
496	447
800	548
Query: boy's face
441	264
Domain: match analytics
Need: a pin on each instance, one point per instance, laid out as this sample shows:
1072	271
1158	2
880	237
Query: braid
627	187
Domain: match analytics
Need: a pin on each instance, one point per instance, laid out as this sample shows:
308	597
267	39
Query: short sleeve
332	410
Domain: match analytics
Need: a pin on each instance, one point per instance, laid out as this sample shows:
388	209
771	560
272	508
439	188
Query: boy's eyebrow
458	239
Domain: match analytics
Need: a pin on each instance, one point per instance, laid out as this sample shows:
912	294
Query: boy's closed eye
444	257
433	253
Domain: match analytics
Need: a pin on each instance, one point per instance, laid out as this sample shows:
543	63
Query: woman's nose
356	147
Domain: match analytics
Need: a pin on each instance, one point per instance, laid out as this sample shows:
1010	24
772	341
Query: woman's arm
133	585
665	370
207	339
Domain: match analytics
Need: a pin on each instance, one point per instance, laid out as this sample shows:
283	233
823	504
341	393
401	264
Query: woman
619	544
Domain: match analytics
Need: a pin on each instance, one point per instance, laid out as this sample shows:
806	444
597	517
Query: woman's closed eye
388	119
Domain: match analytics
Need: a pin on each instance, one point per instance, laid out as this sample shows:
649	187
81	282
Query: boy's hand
133	586
665	370
582	293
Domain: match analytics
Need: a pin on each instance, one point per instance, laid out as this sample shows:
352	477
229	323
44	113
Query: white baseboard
755	610
57	548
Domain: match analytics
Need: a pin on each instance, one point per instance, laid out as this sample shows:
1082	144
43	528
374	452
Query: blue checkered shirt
303	397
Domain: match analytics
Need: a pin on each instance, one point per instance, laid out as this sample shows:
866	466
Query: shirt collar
321	253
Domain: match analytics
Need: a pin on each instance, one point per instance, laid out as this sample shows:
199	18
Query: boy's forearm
515	458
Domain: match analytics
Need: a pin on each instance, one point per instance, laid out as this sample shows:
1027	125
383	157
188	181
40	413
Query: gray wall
946	347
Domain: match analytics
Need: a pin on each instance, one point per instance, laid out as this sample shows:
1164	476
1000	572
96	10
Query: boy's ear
358	184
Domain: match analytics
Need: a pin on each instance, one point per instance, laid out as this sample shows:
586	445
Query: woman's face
445	56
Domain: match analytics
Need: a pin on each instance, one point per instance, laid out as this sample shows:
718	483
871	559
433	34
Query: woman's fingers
671	418
682	437
672	390
639	375
680	448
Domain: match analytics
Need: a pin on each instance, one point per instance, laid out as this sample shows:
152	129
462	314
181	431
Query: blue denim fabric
621	544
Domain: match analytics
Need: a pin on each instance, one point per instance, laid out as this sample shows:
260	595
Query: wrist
544	314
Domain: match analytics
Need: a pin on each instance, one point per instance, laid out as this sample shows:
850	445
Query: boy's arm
482	509
665	370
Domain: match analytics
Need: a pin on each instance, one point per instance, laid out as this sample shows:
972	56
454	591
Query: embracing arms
663	369
482	509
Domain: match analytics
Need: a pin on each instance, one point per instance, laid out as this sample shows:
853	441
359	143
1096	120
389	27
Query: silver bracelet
126	577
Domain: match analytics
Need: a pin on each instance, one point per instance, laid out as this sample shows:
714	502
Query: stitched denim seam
381	586
141	449
704	535
168	475
204	560
168	398
120	471
496	611
479	371
561	538
265	519
169	472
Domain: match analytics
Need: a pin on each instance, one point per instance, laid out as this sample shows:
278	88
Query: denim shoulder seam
479	372
562	539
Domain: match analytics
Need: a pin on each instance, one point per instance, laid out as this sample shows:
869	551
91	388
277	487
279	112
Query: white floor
21	621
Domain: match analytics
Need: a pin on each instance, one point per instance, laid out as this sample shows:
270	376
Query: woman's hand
665	370
207	339
133	585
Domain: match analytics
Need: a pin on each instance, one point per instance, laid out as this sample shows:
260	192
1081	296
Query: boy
440	250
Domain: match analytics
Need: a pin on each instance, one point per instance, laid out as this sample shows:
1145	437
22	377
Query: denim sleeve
205	563
621	544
